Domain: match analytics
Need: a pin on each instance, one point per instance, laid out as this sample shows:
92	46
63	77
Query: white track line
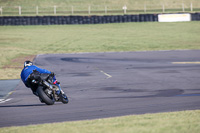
195	62
5	100
108	75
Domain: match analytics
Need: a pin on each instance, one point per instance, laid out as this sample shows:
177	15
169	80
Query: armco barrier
61	20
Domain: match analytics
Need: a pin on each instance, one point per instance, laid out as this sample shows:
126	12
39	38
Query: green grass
174	122
17	42
21	41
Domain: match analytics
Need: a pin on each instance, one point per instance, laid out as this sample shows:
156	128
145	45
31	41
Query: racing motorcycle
45	89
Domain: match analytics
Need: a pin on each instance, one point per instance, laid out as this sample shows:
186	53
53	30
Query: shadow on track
32	105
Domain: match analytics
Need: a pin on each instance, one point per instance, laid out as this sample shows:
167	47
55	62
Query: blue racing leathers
28	70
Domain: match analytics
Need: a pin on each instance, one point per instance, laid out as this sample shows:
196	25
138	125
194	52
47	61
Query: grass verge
19	42
174	122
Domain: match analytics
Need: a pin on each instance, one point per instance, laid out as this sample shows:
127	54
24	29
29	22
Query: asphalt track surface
101	85
7	86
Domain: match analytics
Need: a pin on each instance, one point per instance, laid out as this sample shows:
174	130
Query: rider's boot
36	94
60	91
41	100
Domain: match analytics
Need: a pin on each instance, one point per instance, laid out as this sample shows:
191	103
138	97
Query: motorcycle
45	89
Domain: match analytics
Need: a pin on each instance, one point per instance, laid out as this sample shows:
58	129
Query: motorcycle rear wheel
44	97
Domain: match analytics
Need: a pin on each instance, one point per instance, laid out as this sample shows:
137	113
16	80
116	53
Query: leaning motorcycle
45	89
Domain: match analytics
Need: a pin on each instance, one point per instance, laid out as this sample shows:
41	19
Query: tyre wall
61	20
195	16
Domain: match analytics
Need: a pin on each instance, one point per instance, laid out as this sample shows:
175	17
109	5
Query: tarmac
7	88
102	85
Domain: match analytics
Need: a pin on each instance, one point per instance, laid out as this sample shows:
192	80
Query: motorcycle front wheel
62	99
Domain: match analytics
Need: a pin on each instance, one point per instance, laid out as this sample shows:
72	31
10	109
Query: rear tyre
49	100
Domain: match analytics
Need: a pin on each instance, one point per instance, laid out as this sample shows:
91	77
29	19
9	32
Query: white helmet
28	63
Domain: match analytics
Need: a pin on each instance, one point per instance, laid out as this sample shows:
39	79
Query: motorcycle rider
28	70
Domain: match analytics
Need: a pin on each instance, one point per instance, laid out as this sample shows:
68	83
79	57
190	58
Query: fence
98	9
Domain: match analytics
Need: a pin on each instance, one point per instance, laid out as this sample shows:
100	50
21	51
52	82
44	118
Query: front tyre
45	98
63	98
